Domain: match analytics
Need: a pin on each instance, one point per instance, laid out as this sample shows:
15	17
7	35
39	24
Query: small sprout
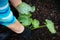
25	18
35	24
50	26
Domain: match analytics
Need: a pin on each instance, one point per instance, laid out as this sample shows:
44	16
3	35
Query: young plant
26	20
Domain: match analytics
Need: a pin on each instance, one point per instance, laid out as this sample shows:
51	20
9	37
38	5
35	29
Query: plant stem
39	27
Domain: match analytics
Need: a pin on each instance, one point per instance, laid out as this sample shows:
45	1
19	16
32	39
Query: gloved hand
24	8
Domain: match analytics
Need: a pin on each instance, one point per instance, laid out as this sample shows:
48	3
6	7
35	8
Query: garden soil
45	9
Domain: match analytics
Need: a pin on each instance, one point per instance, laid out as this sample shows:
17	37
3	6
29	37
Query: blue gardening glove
24	8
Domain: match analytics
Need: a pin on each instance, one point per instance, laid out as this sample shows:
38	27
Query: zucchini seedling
27	21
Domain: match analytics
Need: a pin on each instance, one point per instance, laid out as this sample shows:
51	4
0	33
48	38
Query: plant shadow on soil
45	9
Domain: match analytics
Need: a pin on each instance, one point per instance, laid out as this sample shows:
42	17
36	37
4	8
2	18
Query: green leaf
35	23
25	21
23	16
25	8
50	26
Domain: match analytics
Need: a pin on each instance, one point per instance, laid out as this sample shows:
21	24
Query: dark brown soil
45	9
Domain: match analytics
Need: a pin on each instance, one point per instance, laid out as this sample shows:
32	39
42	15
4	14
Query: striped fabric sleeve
6	15
4	8
3	2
